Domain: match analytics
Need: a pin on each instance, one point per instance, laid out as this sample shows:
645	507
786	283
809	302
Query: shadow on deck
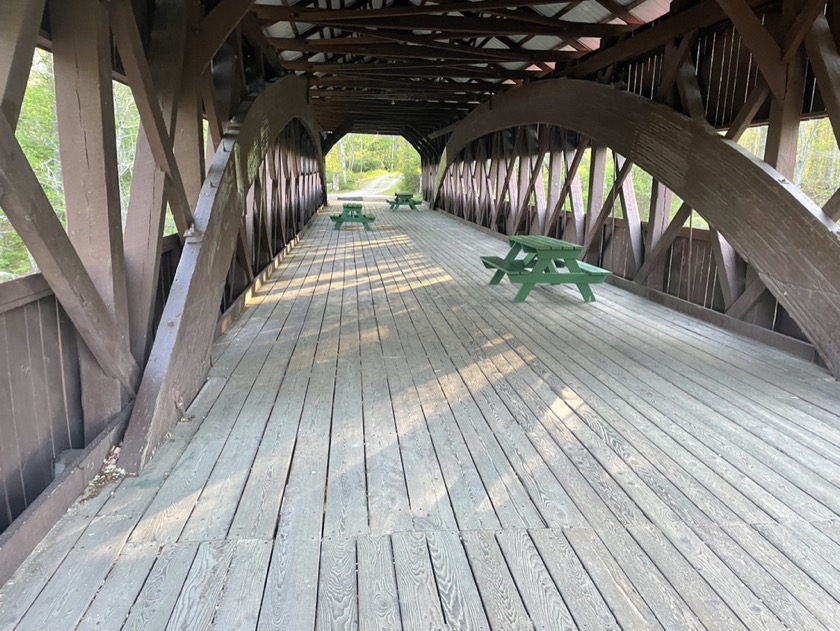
384	441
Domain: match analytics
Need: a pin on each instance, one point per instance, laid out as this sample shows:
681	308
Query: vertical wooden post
627	193
780	153
597	184
575	198
85	109
661	200
147	205
555	175
597	188
188	141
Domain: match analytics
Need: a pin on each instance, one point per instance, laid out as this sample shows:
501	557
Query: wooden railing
40	388
687	271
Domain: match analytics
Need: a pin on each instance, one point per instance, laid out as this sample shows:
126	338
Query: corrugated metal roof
542	42
651	9
495	43
280	29
551	9
587	12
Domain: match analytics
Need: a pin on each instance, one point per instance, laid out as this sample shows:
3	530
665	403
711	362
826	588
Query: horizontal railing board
21	291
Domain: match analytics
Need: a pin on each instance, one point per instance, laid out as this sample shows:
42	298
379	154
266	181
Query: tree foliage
357	154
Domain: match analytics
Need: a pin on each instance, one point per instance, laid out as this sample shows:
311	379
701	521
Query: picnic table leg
583	288
497	277
523	292
367	227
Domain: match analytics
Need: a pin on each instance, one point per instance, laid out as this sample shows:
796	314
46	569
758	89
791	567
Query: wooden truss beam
794	250
215	28
277	13
704	14
400	84
762	45
370	70
85	111
825	62
127	39
419	96
481	26
35	221
560	199
180	356
19	29
593	231
387	45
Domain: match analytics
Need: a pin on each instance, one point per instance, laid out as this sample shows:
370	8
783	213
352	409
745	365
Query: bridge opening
368	165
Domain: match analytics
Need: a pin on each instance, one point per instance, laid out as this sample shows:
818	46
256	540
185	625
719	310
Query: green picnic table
403	199
352	213
547	261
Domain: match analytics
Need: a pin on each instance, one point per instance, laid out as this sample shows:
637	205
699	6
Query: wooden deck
387	442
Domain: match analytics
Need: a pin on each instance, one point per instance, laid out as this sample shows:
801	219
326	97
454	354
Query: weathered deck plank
385	441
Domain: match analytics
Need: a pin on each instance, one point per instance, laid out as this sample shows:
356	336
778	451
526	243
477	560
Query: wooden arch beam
340	132
180	357
789	240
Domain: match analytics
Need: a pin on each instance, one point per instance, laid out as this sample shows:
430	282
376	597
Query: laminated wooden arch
792	244
180	356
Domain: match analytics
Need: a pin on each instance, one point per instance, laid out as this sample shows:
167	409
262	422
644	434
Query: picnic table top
539	243
404	194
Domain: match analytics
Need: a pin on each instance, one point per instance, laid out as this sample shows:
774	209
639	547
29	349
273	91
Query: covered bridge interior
307	428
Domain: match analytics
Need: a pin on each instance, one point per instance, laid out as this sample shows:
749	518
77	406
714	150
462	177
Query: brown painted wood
383	45
215	28
701	15
593	231
568	183
188	133
479	25
765	50
21	291
797	252
18	542
149	190
799	29
627	193
576	220
783	126
747	300
31	214
597	183
19	32
726	261
130	46
179	359
85	112
824	60
755	99
675	57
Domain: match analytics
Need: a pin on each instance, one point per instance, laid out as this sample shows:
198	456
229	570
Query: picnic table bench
545	261
403	199
352	213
